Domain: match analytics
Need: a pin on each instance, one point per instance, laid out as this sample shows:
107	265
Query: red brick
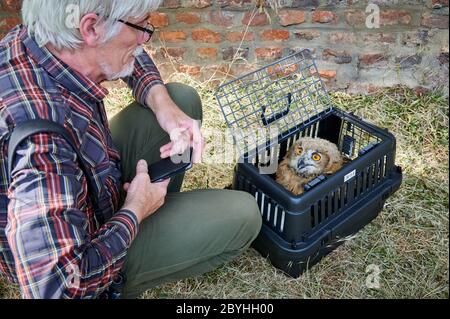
355	17
172	36
159	19
235	53
188	17
384	38
191	70
327	74
223	69
434	21
171	4
290	17
7	24
259	19
166	68
339	57
205	35
275	35
221	18
394	17
10	5
216	73
324	17
199	4
234	3
272	53
173	52
342	37
307	34
239	36
439	3
207	53
368	59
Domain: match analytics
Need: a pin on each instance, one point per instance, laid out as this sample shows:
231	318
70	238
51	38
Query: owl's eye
298	151
316	157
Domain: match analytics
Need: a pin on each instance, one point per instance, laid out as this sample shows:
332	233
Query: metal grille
270	103
354	141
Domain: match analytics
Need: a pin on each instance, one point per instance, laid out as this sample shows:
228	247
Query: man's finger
166	147
198	144
179	147
178	132
142	167
165	150
197	154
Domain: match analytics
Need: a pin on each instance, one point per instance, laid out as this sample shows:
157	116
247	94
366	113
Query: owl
305	160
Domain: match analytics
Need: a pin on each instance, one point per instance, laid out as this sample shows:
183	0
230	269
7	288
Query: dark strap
31	127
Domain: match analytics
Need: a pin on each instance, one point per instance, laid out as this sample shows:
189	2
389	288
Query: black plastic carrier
267	111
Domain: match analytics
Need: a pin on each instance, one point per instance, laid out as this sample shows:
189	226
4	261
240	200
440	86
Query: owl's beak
303	168
300	163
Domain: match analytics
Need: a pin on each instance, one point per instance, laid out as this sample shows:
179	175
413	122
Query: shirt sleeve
144	77
57	252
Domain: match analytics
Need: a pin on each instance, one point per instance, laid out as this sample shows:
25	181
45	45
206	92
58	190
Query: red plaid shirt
51	241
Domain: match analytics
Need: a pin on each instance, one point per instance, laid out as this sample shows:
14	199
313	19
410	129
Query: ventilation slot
271	212
321	211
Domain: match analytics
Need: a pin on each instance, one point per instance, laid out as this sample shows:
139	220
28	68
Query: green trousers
193	232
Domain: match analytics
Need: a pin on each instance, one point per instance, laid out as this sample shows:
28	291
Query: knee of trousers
248	212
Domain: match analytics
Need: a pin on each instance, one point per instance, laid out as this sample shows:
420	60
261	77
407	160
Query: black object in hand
166	168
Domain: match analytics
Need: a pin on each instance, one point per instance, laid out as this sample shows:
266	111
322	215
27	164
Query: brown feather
288	177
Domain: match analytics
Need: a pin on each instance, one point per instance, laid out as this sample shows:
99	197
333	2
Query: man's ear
89	30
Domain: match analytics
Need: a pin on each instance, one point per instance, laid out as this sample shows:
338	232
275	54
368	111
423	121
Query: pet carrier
267	111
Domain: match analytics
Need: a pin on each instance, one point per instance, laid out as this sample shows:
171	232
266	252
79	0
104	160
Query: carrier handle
277	116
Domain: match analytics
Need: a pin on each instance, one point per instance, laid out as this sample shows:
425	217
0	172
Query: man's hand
143	197
183	130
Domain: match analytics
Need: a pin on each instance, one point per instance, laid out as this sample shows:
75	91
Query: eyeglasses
147	30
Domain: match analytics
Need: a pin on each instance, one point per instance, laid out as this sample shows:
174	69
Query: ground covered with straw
408	242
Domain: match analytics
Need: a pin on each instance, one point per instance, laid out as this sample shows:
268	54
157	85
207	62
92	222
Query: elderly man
57	242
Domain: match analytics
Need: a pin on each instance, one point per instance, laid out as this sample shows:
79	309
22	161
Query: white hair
56	22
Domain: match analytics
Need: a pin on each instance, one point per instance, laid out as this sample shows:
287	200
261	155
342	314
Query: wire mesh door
270	103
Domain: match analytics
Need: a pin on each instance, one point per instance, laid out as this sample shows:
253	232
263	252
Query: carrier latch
313	183
366	149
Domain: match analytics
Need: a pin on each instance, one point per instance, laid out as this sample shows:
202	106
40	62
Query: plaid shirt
52	242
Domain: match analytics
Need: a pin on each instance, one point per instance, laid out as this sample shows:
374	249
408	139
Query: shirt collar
61	72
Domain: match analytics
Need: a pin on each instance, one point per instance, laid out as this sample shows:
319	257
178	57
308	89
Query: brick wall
201	37
9	15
